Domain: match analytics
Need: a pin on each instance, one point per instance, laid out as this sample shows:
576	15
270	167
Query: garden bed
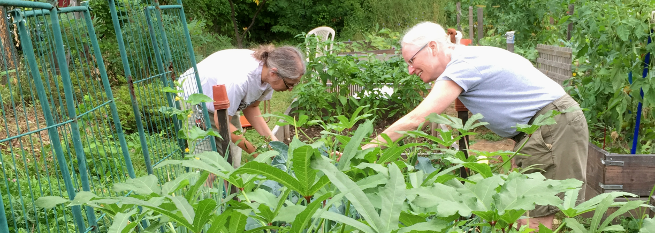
607	172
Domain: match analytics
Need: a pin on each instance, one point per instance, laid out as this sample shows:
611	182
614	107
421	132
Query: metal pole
105	83
130	83
70	106
192	57
28	52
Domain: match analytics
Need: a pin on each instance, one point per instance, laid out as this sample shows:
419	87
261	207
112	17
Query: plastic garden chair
323	33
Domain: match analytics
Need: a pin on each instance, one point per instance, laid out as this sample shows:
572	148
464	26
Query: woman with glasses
250	77
507	90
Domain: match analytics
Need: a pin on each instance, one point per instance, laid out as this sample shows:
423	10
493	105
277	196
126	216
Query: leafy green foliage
359	192
610	42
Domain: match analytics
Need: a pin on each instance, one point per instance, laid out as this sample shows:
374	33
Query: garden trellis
60	132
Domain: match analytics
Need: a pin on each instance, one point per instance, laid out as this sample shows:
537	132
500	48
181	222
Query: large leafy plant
610	43
303	187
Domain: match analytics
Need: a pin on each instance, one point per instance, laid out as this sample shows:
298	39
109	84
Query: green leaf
355	194
82	198
575	225
563	20
171	90
198	98
218	222
648	226
592	203
481	168
445	119
485	190
204	212
630	205
50	202
393	197
623	32
272	173
263	197
354	144
288	213
582	52
346	220
215	159
469	123
302	167
446	199
434	225
392	154
266	213
617	228
120	221
237	222
522	192
305	217
322	182
193	191
263	228
180	182
372	181
544	229
184	207
567	207
144	185
436	174
409	219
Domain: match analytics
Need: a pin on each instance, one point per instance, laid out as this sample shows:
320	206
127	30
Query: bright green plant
374	190
609	42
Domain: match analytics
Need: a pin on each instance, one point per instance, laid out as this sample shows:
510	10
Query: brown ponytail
262	52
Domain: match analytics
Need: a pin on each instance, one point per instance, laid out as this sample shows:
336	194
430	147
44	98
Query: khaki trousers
559	151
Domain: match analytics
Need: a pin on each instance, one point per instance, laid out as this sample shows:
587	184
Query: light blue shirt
504	87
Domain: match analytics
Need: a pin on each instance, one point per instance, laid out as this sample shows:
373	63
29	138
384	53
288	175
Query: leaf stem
560	227
170	225
259	220
513	155
346	213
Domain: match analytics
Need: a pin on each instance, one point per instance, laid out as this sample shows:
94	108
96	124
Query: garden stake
635	137
463	113
221	103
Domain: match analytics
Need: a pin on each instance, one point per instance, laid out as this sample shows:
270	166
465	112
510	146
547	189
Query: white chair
324	34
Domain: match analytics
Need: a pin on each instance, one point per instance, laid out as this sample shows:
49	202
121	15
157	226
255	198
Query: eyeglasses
285	82
411	60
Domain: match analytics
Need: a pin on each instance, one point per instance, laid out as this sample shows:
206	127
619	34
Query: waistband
560	104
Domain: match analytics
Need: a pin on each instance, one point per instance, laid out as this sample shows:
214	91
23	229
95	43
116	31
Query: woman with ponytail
249	76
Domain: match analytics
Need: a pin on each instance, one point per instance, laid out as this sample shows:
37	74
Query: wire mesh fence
60	130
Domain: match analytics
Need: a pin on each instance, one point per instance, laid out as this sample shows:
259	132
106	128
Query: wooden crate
608	172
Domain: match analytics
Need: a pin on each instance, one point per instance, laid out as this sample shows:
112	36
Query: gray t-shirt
504	87
239	71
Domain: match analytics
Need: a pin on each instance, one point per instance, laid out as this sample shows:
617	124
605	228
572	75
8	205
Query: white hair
425	32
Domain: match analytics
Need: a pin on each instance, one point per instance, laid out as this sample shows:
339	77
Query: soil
380	125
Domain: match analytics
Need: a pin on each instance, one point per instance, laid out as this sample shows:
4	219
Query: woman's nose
411	69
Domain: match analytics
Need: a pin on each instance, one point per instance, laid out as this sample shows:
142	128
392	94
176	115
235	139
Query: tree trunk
237	35
7	43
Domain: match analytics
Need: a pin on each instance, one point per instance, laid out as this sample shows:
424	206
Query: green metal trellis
60	130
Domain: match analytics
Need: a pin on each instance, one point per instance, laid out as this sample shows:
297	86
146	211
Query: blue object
635	137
